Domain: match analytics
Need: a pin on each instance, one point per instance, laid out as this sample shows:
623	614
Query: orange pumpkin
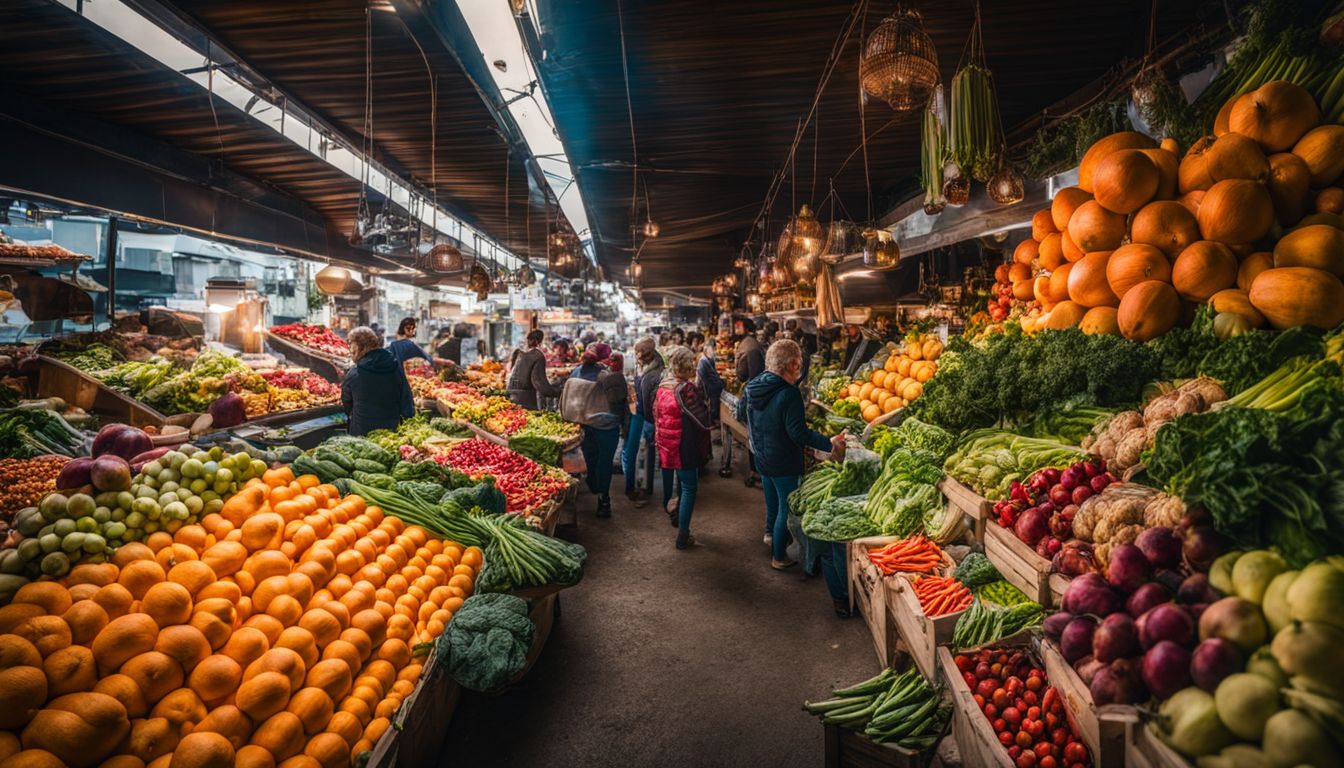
79	728
1065	203
1293	296
1099	320
1317	245
1132	264
1042	225
1289	187
1323	150
1103	148
1236	211
1148	310
1051	252
1166	225
1202	270
1026	252
1093	228
1087	282
1125	180
1275	115
1234	156
1193	173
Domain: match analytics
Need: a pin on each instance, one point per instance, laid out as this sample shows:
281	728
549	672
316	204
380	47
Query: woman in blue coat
374	392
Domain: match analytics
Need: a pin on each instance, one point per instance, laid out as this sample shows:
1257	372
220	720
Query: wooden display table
57	378
971	504
329	367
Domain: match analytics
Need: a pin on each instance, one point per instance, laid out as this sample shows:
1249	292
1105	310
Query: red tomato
1014	685
991	711
1005	738
1047	762
1075	752
1034	727
979	701
970	680
1059	737
1031	697
1033	713
1000	724
987	688
1023	739
1026	760
964	663
1044	748
1012	715
1034	682
1000	698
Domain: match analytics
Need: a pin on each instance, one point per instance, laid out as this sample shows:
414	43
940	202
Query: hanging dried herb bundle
1063	145
977	131
932	153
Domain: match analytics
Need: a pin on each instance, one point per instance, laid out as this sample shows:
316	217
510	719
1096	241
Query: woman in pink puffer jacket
682	435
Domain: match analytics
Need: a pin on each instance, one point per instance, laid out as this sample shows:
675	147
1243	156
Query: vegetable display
1040	512
1025	711
316	337
897	380
838	520
26	433
990	461
900	708
940	595
487	642
906	493
916	554
983	622
526	484
23	482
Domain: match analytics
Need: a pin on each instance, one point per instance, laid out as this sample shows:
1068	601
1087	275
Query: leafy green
487	642
906	493
913	433
1000	592
426	470
543	450
484	495
976	570
838	520
1181	350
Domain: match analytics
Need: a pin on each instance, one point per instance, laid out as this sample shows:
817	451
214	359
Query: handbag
703	442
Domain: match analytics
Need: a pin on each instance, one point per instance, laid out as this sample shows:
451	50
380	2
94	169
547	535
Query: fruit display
318	338
1025	711
1040	511
23	483
895	382
284	624
525	483
990	461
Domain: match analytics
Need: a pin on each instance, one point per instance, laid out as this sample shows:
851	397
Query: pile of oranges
281	631
900	380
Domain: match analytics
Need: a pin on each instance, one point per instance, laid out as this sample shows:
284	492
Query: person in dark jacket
779	432
682	436
374	392
855	346
641	423
599	443
709	379
405	347
527	381
750	356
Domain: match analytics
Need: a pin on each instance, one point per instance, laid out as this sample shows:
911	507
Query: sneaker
782	565
841	608
604	507
769	539
684	542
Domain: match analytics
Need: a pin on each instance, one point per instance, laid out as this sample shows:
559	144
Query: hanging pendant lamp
1005	187
880	251
445	259
842	239
900	63
800	244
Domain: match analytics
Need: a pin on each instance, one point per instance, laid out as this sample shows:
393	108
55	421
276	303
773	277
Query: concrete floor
673	658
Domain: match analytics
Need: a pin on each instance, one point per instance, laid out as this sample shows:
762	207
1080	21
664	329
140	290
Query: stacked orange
900	380
281	631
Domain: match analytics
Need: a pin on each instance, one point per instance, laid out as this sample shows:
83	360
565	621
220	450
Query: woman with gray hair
682	436
374	392
779	432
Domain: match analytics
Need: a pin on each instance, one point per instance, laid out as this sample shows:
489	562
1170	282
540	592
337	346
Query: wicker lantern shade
753	301
445	259
1005	187
842	239
900	64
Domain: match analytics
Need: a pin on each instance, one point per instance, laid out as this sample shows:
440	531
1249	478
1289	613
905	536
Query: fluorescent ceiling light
495	29
288	120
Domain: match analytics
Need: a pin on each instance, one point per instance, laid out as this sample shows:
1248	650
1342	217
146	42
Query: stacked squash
900	380
276	632
1248	220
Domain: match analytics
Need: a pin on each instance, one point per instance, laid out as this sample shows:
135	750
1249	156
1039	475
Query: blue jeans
630	456
599	447
690	481
835	570
777	489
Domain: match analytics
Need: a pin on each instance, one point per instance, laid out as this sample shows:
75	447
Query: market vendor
779	433
601	436
405	347
527	380
375	392
855	345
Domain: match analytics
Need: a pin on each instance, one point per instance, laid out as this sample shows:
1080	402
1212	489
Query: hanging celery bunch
933	152
977	131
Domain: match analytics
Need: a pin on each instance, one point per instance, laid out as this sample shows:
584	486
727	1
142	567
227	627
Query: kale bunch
487	641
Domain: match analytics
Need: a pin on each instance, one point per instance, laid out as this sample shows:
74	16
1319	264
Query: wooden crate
971	504
1145	750
921	635
872	606
1058	583
418	731
1018	563
1103	730
975	738
851	749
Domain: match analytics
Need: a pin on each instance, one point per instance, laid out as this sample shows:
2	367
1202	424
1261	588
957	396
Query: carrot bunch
940	595
917	554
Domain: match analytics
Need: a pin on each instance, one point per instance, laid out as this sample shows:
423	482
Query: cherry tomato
1014	751
1000	724
1031	697
1044	748
1014	685
1059	737
1034	682
1047	762
1023	739
1013	715
964	663
979	701
1026	760
1006	738
991	711
1034	727
1051	720
970	680
1033	713
1074	752
995	670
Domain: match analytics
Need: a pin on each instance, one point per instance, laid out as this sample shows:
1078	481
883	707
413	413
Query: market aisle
667	658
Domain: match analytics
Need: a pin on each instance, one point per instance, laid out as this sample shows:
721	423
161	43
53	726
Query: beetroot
75	473
110	473
1203	545
1119	683
1076	640
1213	660
1081	493
1074	558
1070	478
1060	496
1099	483
1196	589
1167	621
1161	546
120	440
1090	593
1055	623
1166	668
1169	578
1146	597
1087	668
1127	569
228	411
1116	637
1032	526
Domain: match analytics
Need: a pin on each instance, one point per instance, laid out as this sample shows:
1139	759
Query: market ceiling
314	52
717	90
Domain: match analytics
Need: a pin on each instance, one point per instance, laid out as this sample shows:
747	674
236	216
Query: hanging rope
863	129
630	113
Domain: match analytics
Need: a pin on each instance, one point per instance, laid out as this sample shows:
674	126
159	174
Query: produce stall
313	347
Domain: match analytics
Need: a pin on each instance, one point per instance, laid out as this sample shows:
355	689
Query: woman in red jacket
681	433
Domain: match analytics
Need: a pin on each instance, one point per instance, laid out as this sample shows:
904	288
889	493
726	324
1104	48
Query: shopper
601	431
374	393
682	436
641	423
527	380
709	379
563	351
405	347
807	341
619	389
750	362
779	432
